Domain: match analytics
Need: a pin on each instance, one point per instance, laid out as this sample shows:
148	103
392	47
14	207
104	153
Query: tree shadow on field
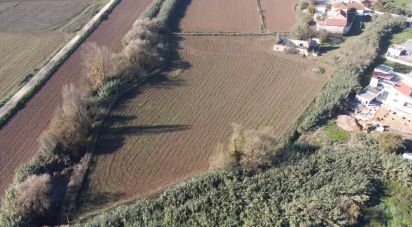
114	136
118	127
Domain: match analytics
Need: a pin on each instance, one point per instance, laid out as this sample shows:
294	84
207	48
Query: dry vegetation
168	131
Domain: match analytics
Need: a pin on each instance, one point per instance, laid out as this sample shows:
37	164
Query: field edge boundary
37	81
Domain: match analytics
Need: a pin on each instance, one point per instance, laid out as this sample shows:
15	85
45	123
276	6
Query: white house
401	53
388	87
302	47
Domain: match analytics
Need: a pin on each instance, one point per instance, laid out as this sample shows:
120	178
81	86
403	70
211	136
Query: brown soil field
166	131
39	15
23	52
18	138
221	15
279	15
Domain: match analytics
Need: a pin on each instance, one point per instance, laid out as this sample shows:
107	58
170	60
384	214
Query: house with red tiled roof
336	19
388	87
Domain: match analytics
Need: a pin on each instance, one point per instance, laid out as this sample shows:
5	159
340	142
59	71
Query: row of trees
29	199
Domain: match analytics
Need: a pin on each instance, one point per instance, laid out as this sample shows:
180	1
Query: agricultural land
200	113
31	32
19	137
238	16
166	131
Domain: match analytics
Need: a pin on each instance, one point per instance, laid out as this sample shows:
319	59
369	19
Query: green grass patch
402	37
334	133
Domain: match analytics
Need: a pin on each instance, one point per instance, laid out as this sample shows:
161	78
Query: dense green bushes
353	59
329	187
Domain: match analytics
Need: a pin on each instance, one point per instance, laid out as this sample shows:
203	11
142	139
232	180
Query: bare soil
18	138
279	15
166	131
221	15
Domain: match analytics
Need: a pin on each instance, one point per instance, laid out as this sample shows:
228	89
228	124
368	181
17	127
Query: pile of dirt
348	123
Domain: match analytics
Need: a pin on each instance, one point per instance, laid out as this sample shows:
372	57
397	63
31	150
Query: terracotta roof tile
403	88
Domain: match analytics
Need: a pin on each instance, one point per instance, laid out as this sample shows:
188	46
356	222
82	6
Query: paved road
18	138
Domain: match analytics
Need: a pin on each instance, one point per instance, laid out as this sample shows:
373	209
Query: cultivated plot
279	15
22	54
166	131
31	31
39	15
221	15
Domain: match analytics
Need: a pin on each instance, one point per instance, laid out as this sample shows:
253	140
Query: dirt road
18	138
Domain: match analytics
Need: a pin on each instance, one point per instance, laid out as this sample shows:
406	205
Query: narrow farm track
167	130
18	138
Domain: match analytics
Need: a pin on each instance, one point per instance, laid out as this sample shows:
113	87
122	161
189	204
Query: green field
22	54
31	35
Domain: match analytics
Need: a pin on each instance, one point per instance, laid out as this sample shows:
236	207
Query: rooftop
407	45
383	75
369	93
333	22
384	68
403	88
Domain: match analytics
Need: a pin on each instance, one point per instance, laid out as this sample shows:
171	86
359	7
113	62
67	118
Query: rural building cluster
388	87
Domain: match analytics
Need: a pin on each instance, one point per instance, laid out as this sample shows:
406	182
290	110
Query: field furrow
167	130
221	15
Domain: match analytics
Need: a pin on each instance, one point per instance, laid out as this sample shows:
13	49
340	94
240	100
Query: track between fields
196	33
18	138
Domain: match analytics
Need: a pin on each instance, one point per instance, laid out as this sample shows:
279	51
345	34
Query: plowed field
221	15
279	15
18	138
166	131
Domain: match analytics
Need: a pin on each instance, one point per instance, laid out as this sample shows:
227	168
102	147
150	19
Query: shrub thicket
328	187
390	142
